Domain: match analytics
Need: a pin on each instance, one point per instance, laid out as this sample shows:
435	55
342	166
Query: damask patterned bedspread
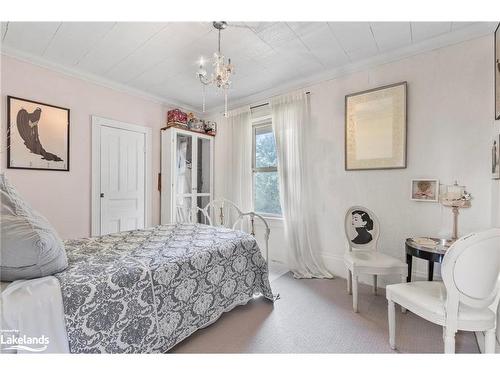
145	291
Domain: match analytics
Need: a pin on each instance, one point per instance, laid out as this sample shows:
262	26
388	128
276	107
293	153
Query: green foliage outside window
266	183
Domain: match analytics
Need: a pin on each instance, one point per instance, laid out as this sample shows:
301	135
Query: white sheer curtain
239	186
290	114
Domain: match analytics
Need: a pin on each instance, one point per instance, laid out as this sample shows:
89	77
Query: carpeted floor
315	316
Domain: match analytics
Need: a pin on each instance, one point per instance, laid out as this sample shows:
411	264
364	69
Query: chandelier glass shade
220	76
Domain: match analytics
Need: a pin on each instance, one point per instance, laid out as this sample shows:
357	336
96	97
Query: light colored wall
450	109
64	197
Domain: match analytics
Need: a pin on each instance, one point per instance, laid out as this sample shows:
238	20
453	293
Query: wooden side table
430	253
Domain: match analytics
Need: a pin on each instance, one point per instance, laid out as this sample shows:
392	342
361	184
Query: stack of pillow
29	245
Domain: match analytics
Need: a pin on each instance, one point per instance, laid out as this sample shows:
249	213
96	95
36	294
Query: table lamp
456	197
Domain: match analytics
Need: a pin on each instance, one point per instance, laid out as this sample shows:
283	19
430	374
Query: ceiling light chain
203	94
220	77
225	102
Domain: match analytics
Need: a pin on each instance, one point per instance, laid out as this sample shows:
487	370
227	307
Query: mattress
140	291
32	317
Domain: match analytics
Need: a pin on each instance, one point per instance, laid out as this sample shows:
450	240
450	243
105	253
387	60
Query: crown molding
442	41
92	78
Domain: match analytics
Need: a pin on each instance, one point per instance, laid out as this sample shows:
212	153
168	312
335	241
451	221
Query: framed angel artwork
37	135
375	128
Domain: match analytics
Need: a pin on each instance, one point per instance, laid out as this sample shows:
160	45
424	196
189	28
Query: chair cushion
30	247
372	259
428	299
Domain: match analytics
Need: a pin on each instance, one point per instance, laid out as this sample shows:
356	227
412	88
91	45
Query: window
265	172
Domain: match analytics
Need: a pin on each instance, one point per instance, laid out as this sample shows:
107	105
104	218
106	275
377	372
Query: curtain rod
262	105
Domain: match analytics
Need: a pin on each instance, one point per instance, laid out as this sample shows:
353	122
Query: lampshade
455	196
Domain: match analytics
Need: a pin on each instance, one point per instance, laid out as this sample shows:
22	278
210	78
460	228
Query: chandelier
221	74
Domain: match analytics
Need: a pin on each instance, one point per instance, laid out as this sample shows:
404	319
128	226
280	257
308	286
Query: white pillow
30	247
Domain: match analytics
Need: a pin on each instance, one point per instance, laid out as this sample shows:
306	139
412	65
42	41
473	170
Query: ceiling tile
353	36
306	28
322	44
391	35
75	39
4	29
31	37
247	67
252	50
166	45
425	30
363	53
259	26
159	73
277	34
121	41
460	25
294	47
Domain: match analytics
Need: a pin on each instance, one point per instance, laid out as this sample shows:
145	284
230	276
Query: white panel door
122	180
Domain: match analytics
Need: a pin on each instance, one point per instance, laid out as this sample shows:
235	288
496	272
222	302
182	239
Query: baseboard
336	265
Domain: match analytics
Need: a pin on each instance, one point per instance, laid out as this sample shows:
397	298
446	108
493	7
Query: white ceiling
160	59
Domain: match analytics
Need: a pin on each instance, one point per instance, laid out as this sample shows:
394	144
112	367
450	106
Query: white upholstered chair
362	230
466	299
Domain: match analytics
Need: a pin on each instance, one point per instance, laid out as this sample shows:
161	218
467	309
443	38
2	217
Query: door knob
102	195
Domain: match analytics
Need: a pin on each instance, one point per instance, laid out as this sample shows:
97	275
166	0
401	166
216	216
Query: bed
140	291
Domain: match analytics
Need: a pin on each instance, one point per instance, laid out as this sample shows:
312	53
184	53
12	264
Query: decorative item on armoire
210	127
37	135
456	197
195	124
177	118
425	190
375	128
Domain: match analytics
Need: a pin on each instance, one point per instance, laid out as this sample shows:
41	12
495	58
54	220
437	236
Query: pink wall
64	197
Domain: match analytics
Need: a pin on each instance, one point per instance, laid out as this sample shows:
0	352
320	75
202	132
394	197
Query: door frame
97	124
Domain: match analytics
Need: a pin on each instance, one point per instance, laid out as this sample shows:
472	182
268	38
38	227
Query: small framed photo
495	158
425	190
37	135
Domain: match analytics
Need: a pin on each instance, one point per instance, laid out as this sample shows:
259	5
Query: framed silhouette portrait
37	135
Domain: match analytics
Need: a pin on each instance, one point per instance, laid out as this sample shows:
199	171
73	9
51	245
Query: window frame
259	123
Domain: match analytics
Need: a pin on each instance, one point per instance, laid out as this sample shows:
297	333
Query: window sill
271	217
